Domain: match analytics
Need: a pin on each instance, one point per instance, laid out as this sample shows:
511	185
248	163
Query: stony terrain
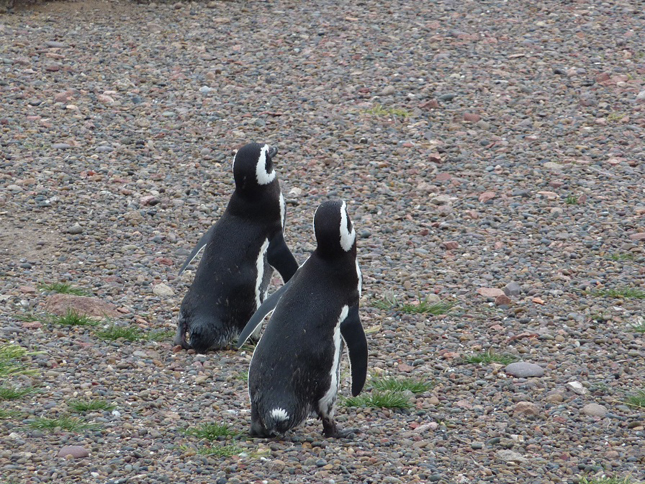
481	146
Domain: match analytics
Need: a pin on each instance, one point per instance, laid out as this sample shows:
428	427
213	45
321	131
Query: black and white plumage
295	369
240	252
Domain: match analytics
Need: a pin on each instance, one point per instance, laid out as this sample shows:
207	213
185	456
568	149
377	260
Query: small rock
550	165
510	456
205	89
594	410
503	300
149	200
522	369
640	97
163	290
61	304
471	117
75	229
487	196
512	289
490	292
527	409
637	236
61	146
105	99
451	245
75	451
555	396
576	387
14	188
388	91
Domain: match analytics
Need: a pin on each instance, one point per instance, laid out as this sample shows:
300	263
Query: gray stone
76	451
163	290
594	410
75	229
512	289
521	369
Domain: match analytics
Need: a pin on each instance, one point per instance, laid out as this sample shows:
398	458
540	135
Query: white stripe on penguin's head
261	174
347	237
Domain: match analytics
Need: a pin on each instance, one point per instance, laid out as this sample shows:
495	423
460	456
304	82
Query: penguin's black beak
273	151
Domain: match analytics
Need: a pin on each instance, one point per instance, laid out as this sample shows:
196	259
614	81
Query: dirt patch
33	243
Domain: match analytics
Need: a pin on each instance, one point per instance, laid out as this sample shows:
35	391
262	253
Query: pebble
522	369
577	388
75	229
594	410
163	290
74	451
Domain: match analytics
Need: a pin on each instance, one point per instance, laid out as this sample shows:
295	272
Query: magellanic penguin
295	369
241	250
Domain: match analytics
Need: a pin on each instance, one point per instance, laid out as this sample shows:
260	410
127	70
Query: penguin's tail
278	420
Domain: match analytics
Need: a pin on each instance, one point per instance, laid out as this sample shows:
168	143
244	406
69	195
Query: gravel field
492	155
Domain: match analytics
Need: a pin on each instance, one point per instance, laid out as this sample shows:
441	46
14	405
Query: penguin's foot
180	337
330	429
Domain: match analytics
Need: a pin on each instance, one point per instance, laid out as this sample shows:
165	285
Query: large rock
61	304
522	369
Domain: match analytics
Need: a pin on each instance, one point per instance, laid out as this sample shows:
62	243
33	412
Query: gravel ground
481	146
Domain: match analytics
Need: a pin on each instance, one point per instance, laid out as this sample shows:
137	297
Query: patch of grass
27	317
7	414
607	480
615	117
489	357
422	307
400	385
63	288
10	393
636	400
160	335
379	399
71	424
89	405
571	200
10	364
621	292
622	257
220	451
128	333
639	325
72	318
243	375
211	431
385	111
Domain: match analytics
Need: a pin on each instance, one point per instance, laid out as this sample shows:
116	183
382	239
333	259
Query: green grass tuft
220	451
243	375
7	414
400	385
71	424
211	431
607	480
488	357
10	393
128	333
379	399
160	335
10	364
621	292
622	256
63	288
571	200
89	405
423	307
637	400
379	110
72	318
27	317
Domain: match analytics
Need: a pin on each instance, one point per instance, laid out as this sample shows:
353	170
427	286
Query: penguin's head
253	166
334	231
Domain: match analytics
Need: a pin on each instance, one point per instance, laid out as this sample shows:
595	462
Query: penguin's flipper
281	258
265	308
352	332
198	248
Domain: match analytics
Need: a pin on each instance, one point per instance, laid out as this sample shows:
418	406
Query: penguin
295	368
240	252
